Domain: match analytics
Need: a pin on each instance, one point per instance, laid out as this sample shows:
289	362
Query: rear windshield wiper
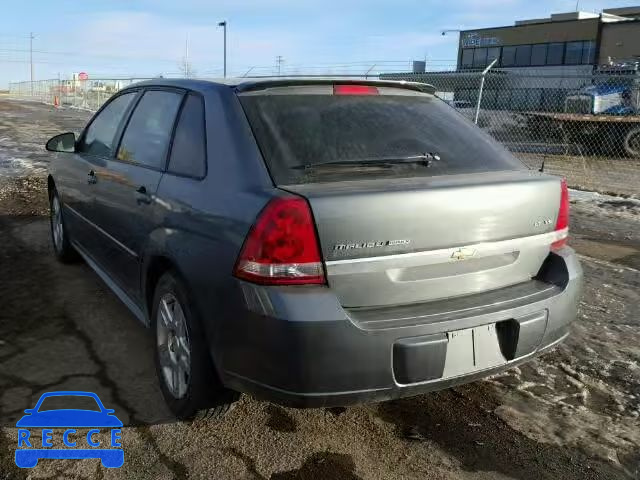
425	159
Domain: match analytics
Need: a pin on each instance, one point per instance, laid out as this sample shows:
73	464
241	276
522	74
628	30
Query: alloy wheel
174	349
57	228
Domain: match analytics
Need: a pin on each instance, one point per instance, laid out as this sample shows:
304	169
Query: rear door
412	202
126	185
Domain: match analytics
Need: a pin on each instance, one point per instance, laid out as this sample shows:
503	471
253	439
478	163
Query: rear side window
188	155
100	136
299	131
146	139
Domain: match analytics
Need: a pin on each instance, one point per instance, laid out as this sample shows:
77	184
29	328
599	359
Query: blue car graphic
69	418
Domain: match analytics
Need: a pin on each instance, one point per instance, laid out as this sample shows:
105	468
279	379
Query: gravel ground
572	413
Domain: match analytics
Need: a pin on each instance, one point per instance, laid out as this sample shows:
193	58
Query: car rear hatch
412	203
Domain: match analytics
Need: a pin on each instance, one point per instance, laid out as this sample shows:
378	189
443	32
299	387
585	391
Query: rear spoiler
307	80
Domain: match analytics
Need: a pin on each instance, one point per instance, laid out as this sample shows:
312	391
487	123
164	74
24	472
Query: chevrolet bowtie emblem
463	253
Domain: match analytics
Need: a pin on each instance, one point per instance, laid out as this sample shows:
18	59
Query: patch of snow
598	203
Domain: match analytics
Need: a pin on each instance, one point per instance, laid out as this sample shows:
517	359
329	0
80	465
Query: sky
116	38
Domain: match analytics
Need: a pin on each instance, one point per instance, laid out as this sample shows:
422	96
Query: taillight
562	225
355	90
281	247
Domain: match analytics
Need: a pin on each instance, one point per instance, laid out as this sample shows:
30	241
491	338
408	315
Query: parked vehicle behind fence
602	117
314	242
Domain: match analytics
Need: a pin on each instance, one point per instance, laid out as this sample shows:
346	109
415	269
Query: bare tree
186	68
185	65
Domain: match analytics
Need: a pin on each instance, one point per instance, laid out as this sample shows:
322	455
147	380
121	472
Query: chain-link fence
84	94
586	128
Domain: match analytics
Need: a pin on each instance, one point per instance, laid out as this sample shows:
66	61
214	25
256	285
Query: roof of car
256	83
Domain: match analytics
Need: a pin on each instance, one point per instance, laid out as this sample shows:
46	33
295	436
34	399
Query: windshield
295	131
64	402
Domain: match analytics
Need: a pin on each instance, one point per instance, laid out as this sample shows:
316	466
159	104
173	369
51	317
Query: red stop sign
83	76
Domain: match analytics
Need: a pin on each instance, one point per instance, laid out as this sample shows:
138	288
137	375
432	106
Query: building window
467	58
558	53
508	56
589	53
555	53
493	54
539	54
480	58
523	55
573	55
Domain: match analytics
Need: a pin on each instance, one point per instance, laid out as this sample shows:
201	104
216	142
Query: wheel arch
155	265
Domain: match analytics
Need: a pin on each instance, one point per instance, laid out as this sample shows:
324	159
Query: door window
146	138
188	155
100	135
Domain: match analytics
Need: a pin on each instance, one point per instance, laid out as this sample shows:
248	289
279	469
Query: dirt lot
572	413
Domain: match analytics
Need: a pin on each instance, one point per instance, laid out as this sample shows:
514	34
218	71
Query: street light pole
224	32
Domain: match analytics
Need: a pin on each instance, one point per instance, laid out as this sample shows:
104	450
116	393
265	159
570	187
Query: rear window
297	132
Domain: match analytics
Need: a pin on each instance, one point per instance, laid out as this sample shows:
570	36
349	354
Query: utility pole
279	61
223	24
31	37
187	67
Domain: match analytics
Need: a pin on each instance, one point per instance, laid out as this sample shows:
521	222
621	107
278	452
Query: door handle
142	196
91	178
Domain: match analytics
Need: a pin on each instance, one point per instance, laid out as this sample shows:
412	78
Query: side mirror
29	410
65	143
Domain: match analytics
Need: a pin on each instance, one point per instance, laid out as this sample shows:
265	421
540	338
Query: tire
632	142
186	373
60	239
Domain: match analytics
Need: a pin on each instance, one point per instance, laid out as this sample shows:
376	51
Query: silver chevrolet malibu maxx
315	242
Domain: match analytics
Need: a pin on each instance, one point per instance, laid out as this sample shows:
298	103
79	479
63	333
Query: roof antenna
541	169
577	5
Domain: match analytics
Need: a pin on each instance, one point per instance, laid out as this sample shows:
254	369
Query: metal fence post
484	74
366	75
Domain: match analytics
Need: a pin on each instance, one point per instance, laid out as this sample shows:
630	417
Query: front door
95	146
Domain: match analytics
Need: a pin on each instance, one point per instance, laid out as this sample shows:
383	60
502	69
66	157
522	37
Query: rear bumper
299	347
